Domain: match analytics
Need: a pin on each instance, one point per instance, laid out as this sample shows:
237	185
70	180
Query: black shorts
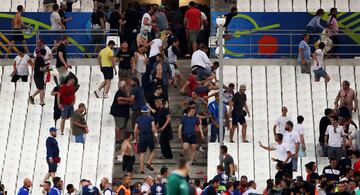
52	167
39	82
146	141
128	162
237	118
108	73
18	36
190	139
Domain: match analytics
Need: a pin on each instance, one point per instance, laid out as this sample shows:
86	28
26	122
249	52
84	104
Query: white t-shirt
47	55
198	190
146	15
250	191
335	139
54	18
154	48
201	59
320	58
145	188
172	58
140	63
281	122
291	138
300	129
22	65
282	151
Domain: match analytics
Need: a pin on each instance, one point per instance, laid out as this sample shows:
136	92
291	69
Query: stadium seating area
25	127
270	88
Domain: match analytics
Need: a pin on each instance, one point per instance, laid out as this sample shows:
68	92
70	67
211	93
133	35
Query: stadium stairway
198	170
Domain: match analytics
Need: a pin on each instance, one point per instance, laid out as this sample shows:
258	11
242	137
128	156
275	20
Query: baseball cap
144	109
53	129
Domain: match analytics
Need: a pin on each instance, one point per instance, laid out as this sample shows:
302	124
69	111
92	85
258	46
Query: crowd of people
153	39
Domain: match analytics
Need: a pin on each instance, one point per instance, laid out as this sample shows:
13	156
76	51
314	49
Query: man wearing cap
237	106
145	134
52	154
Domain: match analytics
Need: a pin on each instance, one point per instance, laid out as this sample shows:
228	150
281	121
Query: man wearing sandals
145	135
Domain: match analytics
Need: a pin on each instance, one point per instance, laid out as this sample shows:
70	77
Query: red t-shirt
67	95
193	17
192	83
357	167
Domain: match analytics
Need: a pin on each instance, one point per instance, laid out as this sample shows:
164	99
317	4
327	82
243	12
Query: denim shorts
320	72
67	112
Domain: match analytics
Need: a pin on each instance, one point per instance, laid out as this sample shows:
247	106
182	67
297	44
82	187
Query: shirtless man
127	154
17	25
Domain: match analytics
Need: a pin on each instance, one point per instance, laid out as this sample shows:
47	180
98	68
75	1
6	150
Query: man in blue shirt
52	154
26	188
304	57
145	134
188	127
214	111
58	185
137	99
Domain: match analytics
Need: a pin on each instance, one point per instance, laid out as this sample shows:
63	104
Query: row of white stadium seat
37	6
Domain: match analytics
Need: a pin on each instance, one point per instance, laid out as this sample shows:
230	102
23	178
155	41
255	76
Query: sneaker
106	96
201	149
31	100
96	92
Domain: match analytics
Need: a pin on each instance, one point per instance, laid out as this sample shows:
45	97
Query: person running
187	133
39	70
146	135
107	64
52	154
237	105
66	100
318	67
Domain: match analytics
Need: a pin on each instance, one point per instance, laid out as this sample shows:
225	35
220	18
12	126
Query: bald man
26	188
145	188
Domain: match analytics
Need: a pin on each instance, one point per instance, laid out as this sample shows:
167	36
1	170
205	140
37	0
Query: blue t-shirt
23	191
90	190
138	92
55	191
189	124
52	147
157	189
213	108
303	45
144	123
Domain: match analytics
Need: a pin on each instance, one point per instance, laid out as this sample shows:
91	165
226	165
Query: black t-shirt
61	48
132	20
239	103
56	89
228	160
39	63
331	174
96	16
324	123
229	16
62	16
126	56
152	99
118	110
161	117
114	20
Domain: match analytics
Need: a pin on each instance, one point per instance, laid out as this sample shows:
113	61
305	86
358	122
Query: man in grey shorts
120	109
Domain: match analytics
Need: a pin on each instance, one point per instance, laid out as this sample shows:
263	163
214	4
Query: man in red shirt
66	100
192	22
357	163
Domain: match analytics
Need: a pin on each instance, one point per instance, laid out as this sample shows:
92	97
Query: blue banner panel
41	21
269	35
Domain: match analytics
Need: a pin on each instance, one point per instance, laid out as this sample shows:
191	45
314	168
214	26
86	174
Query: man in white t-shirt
283	153
292	139
318	67
156	47
201	63
55	19
146	21
146	187
280	122
335	138
299	127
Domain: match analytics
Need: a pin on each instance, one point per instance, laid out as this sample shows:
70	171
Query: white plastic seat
342	5
15	3
285	6
271	6
299	6
327	4
5	6
313	5
243	5
116	39
257	5
32	6
87	6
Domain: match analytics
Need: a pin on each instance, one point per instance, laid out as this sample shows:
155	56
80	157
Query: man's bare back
17	21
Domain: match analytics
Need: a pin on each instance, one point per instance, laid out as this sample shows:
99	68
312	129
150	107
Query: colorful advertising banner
269	35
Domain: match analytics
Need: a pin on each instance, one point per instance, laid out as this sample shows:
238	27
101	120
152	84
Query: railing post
291	45
250	44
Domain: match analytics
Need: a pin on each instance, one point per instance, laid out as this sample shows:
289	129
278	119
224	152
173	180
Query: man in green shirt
177	184
78	124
